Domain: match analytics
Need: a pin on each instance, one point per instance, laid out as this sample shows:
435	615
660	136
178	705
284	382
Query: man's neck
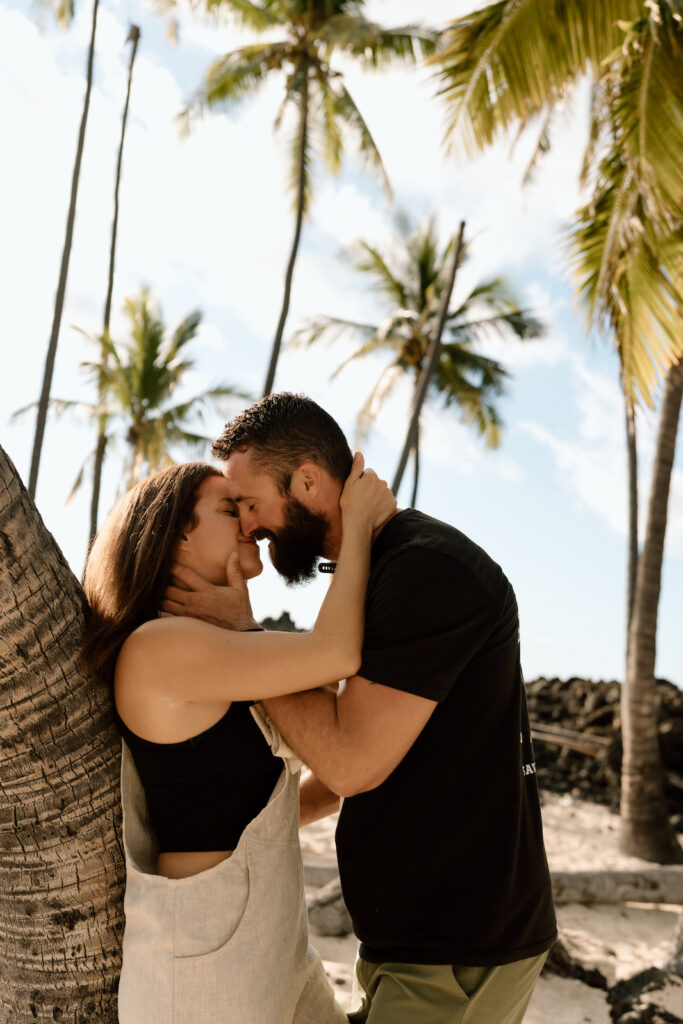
334	536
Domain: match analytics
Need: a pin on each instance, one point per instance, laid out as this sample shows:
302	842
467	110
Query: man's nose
247	522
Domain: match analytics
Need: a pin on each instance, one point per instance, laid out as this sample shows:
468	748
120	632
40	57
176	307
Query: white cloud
591	464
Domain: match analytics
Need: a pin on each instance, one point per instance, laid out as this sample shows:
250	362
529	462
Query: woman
215	917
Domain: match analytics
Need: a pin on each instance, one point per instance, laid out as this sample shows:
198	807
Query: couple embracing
427	742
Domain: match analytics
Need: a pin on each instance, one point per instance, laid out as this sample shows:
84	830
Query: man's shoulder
415	538
413	531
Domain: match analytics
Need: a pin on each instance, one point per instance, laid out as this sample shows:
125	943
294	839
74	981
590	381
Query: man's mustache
262	534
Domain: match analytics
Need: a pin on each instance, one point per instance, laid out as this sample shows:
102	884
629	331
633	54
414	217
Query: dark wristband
254	629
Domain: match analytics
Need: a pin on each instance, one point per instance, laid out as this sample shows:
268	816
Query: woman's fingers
234	572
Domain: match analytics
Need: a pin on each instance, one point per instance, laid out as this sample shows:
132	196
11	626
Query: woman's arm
316	801
186	659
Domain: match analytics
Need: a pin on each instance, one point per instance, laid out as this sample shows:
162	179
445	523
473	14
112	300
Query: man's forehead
243	477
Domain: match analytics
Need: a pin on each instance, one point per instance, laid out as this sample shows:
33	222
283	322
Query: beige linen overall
228	945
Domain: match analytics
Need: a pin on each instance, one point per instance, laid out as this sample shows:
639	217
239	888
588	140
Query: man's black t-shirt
444	861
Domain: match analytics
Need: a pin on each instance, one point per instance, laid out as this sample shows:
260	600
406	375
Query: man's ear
306	482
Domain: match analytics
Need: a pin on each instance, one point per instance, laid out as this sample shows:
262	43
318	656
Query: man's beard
298	544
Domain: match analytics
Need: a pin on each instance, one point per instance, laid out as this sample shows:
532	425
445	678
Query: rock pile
593	710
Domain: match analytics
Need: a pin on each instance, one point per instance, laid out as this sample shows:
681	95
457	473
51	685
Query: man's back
444	861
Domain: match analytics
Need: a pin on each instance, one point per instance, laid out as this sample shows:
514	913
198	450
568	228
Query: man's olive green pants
393	993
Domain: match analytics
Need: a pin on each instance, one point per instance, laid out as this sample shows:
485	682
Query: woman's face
207	546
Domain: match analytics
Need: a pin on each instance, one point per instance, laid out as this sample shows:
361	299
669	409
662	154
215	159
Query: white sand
618	939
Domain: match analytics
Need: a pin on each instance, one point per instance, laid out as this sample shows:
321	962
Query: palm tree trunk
277	342
63	273
62	869
416	468
632	450
645	828
430	363
416	451
133	37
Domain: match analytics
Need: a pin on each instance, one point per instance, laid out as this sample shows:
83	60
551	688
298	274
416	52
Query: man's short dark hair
284	430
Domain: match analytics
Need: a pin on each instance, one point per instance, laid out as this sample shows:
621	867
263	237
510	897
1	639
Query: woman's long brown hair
128	566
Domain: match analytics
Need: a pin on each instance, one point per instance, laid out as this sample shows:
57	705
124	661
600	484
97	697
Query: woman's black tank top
204	791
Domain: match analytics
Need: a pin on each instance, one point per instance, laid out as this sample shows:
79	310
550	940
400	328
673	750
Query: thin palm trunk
632	451
645	827
62	870
133	37
301	188
430	362
63	273
416	467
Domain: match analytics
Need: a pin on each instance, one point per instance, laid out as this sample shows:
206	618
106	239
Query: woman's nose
247	524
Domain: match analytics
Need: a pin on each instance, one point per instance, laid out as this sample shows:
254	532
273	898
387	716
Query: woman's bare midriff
182	865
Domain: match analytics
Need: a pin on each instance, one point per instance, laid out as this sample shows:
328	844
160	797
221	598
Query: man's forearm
309	723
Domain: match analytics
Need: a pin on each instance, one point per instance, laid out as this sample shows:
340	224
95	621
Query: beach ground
619	939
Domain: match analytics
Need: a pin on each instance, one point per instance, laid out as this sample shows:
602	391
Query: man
439	838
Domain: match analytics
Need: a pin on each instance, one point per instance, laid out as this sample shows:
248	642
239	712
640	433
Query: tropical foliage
411	280
514	62
325	113
139	378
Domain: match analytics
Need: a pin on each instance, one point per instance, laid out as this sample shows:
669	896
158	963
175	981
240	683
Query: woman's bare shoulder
160	646
165	630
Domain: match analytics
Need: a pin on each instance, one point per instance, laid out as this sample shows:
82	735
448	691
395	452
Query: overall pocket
257	975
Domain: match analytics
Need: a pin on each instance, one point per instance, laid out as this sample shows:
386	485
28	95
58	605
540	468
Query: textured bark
645	827
277	341
61	869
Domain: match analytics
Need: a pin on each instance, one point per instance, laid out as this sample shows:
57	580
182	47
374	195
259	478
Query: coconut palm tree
64	11
325	112
410	280
515	61
62	871
139	378
98	459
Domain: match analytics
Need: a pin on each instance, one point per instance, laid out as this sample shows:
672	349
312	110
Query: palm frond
510	61
648	108
372	405
330	328
56	407
476	402
79	476
380	339
184	332
235	75
249	15
542	145
368	260
376	47
326	120
629	279
349	113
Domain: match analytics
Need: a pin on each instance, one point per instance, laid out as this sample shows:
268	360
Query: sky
206	223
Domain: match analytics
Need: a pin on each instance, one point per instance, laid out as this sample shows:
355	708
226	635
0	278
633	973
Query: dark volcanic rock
562	963
643	999
592	708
